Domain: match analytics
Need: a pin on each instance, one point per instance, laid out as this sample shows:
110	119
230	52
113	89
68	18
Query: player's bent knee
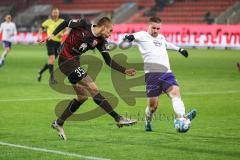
153	105
8	49
153	109
174	92
92	88
51	61
81	91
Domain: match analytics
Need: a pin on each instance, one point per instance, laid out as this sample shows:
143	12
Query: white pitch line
209	93
31	99
186	93
51	151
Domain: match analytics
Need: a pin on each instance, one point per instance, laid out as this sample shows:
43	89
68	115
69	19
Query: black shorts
52	47
72	69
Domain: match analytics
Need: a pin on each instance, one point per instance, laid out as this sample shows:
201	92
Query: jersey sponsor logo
8	30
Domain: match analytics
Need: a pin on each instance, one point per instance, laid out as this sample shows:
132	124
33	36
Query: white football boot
60	130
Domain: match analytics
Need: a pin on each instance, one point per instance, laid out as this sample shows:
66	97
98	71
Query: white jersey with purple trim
8	30
154	51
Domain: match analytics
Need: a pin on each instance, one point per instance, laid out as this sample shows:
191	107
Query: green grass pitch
209	80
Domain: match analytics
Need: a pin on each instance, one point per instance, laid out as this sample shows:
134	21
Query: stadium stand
5	10
25	20
182	11
91	9
234	18
230	16
103	5
126	10
18	5
123	11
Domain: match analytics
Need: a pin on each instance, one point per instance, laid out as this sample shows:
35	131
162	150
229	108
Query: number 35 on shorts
80	72
77	75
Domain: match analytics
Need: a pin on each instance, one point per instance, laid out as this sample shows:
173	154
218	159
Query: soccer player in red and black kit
83	37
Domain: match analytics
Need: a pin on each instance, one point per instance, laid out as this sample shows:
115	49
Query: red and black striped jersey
81	39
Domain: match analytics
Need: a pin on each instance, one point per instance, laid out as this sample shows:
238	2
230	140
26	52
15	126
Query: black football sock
45	67
50	67
103	103
71	108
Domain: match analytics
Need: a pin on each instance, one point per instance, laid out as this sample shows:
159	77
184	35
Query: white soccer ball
182	124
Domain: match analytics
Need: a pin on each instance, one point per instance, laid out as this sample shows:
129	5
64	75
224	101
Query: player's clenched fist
130	72
183	52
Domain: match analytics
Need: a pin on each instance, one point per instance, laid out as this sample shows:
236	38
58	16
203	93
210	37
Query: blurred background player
52	45
8	30
158	75
84	37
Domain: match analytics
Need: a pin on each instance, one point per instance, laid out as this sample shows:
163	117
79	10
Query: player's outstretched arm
73	23
114	65
59	28
176	48
66	23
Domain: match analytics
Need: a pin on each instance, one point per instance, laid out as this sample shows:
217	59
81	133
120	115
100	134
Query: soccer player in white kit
8	30
158	75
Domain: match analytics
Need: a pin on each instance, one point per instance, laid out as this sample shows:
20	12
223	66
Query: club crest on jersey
157	43
82	47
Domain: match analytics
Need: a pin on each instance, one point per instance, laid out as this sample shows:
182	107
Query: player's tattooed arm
76	23
60	27
104	50
71	24
111	63
114	65
63	25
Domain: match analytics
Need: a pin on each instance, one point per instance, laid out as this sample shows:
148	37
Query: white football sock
4	54
149	114
178	106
